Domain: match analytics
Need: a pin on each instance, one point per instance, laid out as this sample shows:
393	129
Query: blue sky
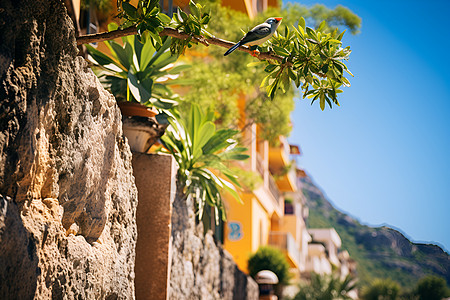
384	155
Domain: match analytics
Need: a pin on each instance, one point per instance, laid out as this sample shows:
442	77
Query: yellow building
265	218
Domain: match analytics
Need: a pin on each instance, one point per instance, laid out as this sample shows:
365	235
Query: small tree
311	59
382	289
432	288
272	259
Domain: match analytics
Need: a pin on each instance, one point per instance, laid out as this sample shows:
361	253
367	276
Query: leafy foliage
193	24
146	16
135	71
308	56
338	17
305	55
432	288
326	287
272	259
220	83
203	154
381	289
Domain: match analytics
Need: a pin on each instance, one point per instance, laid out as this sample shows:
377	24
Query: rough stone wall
67	214
201	269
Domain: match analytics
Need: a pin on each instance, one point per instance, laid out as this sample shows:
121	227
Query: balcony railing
259	165
274	190
285	146
285	242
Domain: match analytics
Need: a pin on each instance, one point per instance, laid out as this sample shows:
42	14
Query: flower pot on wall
140	126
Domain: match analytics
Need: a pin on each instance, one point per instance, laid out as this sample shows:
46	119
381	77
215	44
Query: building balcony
279	155
317	260
280	163
286	243
269	184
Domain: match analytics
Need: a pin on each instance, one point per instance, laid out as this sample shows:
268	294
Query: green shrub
272	259
432	288
382	289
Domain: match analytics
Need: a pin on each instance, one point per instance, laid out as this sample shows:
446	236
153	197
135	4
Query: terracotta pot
140	126
136	109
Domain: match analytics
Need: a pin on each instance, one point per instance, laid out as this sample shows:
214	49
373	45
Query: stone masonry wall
201	269
68	204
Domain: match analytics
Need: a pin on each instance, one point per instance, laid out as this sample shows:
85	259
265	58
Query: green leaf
270	68
146	55
280	51
301	23
218	141
291	74
137	90
348	71
232	190
101	58
322	101
155	37
162	103
205	20
335	41
164	18
321	26
179	68
112	26
194	9
265	81
161	51
205	132
341	35
345	82
273	88
123	55
162	118
312	34
130	10
328	101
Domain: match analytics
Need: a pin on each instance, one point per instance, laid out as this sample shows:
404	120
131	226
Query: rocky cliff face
201	269
67	214
381	252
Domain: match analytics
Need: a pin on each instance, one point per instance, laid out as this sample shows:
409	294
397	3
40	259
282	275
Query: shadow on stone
18	260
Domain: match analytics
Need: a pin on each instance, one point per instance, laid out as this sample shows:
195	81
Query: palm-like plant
326	287
203	154
135	70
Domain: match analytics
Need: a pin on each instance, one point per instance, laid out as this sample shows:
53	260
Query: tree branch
100	37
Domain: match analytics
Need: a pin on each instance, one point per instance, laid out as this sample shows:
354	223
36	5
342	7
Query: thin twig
100	37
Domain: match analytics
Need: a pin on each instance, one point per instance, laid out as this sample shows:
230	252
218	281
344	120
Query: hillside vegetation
380	252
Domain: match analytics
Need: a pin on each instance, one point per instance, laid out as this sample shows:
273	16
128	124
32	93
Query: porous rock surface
68	204
200	268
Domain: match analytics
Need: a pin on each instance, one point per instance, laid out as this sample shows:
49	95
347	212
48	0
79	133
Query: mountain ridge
380	252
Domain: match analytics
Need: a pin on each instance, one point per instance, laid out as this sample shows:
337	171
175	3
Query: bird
258	35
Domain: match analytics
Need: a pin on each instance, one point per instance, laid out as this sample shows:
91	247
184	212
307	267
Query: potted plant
138	74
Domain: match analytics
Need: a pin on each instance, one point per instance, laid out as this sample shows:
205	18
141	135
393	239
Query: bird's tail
232	49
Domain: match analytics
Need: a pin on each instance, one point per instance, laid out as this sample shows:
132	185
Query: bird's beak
278	19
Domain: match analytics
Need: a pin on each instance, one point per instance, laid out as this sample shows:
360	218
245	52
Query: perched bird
258	35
